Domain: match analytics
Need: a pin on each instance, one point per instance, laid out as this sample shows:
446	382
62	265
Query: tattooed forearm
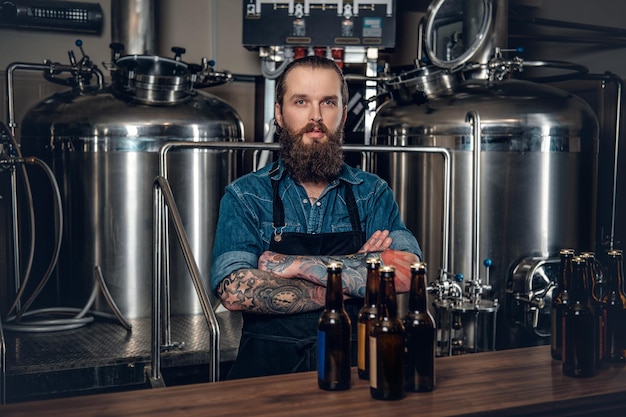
313	269
264	292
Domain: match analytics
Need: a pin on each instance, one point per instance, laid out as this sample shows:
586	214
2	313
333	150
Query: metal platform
103	357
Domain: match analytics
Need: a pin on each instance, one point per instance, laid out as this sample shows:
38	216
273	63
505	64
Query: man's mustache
310	127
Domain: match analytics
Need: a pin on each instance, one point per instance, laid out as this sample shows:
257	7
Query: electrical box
319	23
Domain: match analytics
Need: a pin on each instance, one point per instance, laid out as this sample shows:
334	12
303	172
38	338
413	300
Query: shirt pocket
267	230
341	227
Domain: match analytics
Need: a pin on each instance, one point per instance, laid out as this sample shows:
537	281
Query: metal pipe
166	195
163	197
256	146
157	218
133	25
474	119
619	82
10	91
17	273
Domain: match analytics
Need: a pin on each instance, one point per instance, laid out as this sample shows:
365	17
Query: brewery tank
103	146
537	179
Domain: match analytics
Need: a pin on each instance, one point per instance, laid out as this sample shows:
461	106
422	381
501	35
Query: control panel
319	23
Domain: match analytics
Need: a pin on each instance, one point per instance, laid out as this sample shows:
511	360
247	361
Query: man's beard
314	162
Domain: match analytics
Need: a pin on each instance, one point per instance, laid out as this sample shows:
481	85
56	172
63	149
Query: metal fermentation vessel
103	147
530	192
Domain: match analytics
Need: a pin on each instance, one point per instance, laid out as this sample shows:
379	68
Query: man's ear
278	114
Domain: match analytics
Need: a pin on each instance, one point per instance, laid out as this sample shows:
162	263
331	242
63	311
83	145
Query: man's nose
316	115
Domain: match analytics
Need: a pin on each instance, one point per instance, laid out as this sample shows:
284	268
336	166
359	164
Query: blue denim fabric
245	226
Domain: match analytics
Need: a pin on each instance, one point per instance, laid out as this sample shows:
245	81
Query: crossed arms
288	284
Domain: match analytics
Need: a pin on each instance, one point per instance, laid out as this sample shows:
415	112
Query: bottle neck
418	296
578	287
615	274
566	272
334	290
387	305
372	286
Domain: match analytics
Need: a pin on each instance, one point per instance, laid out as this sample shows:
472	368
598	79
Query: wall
186	23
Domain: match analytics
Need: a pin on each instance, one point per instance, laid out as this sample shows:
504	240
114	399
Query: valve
82	71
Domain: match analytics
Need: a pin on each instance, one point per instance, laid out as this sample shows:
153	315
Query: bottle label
373	371
362	338
321	351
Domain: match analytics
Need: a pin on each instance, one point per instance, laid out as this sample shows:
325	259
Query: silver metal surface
133	25
103	147
538	159
457	32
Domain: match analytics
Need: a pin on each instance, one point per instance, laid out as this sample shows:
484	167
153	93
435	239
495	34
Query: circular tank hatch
456	30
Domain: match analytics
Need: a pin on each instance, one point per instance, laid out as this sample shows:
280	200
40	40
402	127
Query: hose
80	317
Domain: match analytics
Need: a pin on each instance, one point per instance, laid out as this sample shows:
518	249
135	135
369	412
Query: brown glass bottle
590	287
579	327
333	336
419	327
614	310
367	316
387	343
559	303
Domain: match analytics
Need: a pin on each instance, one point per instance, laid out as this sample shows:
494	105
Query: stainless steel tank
103	147
538	163
536	180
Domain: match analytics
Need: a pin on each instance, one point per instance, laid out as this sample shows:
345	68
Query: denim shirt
245	224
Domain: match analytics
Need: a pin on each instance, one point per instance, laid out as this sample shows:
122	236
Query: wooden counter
504	383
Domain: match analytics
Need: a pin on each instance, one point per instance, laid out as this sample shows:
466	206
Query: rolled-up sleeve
386	216
237	242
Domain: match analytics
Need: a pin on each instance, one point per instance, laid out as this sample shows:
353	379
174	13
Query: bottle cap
334	265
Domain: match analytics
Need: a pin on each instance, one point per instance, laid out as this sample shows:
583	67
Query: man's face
312	119
312	96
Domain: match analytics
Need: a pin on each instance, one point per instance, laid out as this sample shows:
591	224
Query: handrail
163	198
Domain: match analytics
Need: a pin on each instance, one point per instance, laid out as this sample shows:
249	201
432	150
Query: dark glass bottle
387	343
559	303
579	327
419	326
591	289
614	310
367	316
333	336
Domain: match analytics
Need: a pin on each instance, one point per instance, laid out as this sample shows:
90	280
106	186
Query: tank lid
152	79
456	30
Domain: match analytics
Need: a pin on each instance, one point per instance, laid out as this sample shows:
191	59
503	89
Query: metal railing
164	200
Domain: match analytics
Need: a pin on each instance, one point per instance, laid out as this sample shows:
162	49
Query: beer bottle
590	287
579	327
387	343
614	310
559	303
333	336
367	316
419	327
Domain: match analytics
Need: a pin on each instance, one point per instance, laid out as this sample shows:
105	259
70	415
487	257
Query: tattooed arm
354	274
265	292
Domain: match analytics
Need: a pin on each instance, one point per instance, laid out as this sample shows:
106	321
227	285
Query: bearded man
280	226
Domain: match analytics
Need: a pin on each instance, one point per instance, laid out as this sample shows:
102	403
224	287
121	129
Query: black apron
279	344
